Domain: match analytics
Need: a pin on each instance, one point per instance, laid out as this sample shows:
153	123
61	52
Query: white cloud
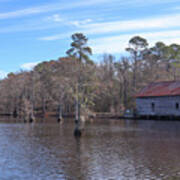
117	44
81	23
3	74
56	37
168	21
81	3
29	66
86	25
2	1
20	13
176	8
55	18
160	22
48	8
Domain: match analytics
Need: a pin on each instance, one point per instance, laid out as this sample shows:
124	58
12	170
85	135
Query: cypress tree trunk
60	118
77	131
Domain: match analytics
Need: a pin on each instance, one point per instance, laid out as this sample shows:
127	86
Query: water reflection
111	149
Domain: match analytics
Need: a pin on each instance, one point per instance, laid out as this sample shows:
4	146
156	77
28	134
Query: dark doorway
177	106
153	107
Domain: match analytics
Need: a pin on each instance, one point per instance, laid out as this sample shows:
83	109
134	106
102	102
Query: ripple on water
109	149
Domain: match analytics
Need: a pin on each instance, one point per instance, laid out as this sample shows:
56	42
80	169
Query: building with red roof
159	99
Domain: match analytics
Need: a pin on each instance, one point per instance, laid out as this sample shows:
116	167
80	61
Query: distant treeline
106	86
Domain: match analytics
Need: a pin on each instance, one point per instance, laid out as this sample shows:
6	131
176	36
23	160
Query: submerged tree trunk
27	111
15	114
43	106
31	115
77	131
60	117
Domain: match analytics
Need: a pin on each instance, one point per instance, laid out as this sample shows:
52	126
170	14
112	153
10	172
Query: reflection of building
159	99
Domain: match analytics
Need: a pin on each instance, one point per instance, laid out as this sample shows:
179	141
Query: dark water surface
108	149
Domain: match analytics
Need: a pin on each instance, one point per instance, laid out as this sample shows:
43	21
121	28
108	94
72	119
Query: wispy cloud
55	18
175	8
56	37
2	1
47	22
81	3
3	74
48	8
28	66
23	12
167	21
160	22
87	25
117	44
81	23
77	23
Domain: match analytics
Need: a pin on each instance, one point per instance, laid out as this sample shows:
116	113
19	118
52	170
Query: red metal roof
167	88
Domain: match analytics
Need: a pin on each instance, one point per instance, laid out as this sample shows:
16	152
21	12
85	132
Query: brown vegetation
108	86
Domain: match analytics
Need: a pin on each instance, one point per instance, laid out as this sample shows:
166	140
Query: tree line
106	86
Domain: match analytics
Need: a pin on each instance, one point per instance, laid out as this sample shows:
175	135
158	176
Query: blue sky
32	31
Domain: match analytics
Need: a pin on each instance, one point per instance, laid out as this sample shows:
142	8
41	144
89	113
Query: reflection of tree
65	155
108	150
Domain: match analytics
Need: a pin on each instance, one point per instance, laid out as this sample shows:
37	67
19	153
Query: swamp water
108	149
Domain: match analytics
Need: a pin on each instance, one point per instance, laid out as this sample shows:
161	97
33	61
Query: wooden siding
163	106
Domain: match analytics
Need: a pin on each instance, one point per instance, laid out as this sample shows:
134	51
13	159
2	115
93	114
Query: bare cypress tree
80	52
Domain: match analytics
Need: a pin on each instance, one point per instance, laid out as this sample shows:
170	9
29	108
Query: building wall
163	106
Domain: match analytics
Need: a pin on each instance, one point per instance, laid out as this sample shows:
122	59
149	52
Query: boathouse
160	99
